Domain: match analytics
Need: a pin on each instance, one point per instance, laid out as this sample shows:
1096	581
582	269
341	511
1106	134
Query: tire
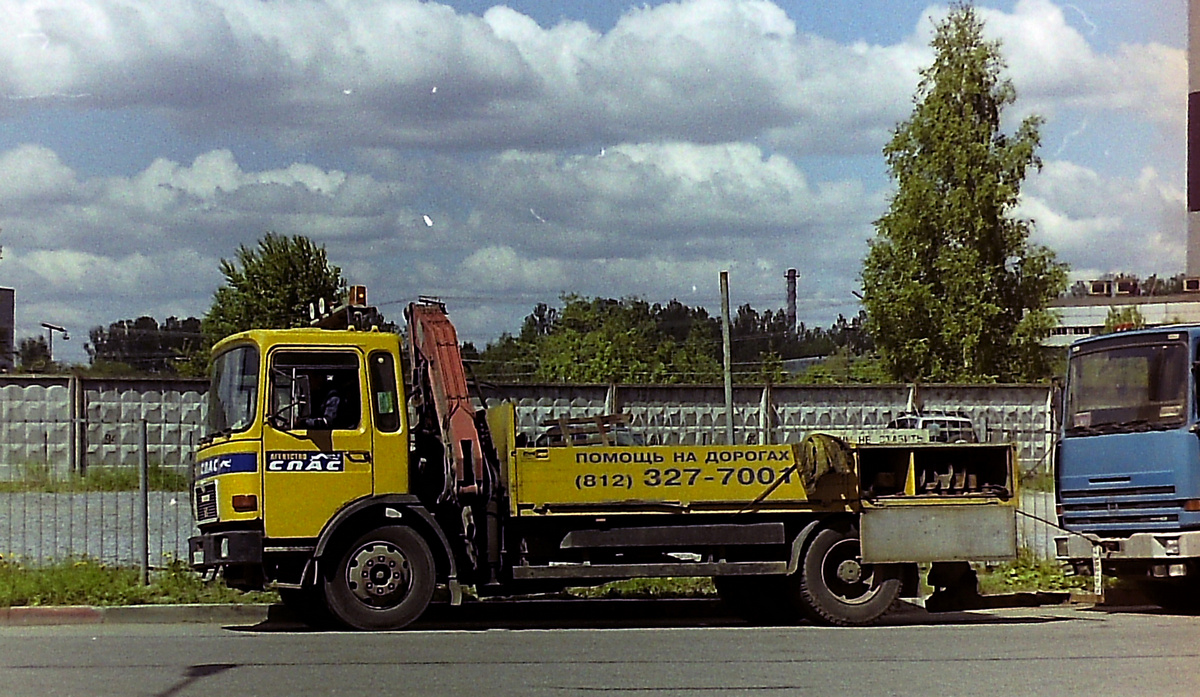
308	605
383	580
757	599
834	587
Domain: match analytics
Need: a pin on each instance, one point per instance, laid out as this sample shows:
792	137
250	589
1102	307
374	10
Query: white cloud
680	191
503	268
1104	224
643	219
699	119
33	173
1054	66
396	73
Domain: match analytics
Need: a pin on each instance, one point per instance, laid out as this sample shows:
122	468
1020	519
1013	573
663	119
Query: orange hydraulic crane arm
440	382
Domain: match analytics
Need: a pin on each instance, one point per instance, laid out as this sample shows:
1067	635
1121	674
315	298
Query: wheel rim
379	574
847	578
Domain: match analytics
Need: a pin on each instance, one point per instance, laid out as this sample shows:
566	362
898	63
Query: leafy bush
1028	573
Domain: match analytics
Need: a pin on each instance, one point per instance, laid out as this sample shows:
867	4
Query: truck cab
1128	458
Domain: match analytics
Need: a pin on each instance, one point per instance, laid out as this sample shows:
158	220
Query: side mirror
301	400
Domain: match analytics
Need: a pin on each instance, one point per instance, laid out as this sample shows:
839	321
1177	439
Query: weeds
685	587
89	582
1028	573
1037	480
40	478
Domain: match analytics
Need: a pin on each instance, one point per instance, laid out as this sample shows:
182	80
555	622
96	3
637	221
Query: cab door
315	463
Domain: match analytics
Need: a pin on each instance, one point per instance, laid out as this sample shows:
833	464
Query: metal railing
134	514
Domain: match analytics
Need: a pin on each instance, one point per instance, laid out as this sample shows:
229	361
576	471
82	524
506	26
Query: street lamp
50	329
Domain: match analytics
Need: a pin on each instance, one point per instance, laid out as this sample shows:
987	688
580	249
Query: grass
88	582
684	587
40	478
1037	479
1028	573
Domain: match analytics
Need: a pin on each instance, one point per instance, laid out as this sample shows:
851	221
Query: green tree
631	341
271	285
953	289
602	340
606	340
142	345
844	367
1120	319
33	355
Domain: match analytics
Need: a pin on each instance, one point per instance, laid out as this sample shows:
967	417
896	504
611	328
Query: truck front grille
206	502
1125	520
1118	508
1120	491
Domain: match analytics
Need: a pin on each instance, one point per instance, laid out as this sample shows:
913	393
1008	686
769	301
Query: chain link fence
70	447
71	454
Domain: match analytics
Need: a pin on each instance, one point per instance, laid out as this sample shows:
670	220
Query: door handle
363	456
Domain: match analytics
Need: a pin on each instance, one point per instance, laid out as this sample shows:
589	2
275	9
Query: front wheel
834	586
383	580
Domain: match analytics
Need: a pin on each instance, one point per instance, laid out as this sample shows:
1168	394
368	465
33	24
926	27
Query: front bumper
1142	546
221	549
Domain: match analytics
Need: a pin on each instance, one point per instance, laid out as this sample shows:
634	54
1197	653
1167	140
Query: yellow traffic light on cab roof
358	296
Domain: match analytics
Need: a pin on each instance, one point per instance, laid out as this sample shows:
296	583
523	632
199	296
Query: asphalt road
1013	652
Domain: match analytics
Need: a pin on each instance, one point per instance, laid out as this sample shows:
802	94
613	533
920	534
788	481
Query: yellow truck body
359	518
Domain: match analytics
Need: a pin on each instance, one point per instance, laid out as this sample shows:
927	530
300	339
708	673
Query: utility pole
791	299
725	340
50	329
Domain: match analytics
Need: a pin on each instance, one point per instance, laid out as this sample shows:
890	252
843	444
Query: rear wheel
383	580
834	586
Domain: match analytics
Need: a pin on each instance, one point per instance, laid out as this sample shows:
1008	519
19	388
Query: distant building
1085	315
7	347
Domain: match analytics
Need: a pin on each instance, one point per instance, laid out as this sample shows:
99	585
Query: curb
133	614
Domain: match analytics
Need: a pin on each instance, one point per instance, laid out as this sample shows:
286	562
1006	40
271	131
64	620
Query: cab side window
333	379
385	399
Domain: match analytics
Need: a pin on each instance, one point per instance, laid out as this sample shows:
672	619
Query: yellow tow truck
320	477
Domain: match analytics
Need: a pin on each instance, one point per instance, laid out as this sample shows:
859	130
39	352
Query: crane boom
444	402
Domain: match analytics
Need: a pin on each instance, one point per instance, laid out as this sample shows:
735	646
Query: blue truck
1128	461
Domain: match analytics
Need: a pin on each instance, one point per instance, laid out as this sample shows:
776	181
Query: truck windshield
233	394
1127	387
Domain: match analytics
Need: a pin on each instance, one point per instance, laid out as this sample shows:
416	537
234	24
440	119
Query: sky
498	156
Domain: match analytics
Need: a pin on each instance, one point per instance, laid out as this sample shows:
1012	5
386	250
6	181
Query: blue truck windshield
1126	386
233	394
